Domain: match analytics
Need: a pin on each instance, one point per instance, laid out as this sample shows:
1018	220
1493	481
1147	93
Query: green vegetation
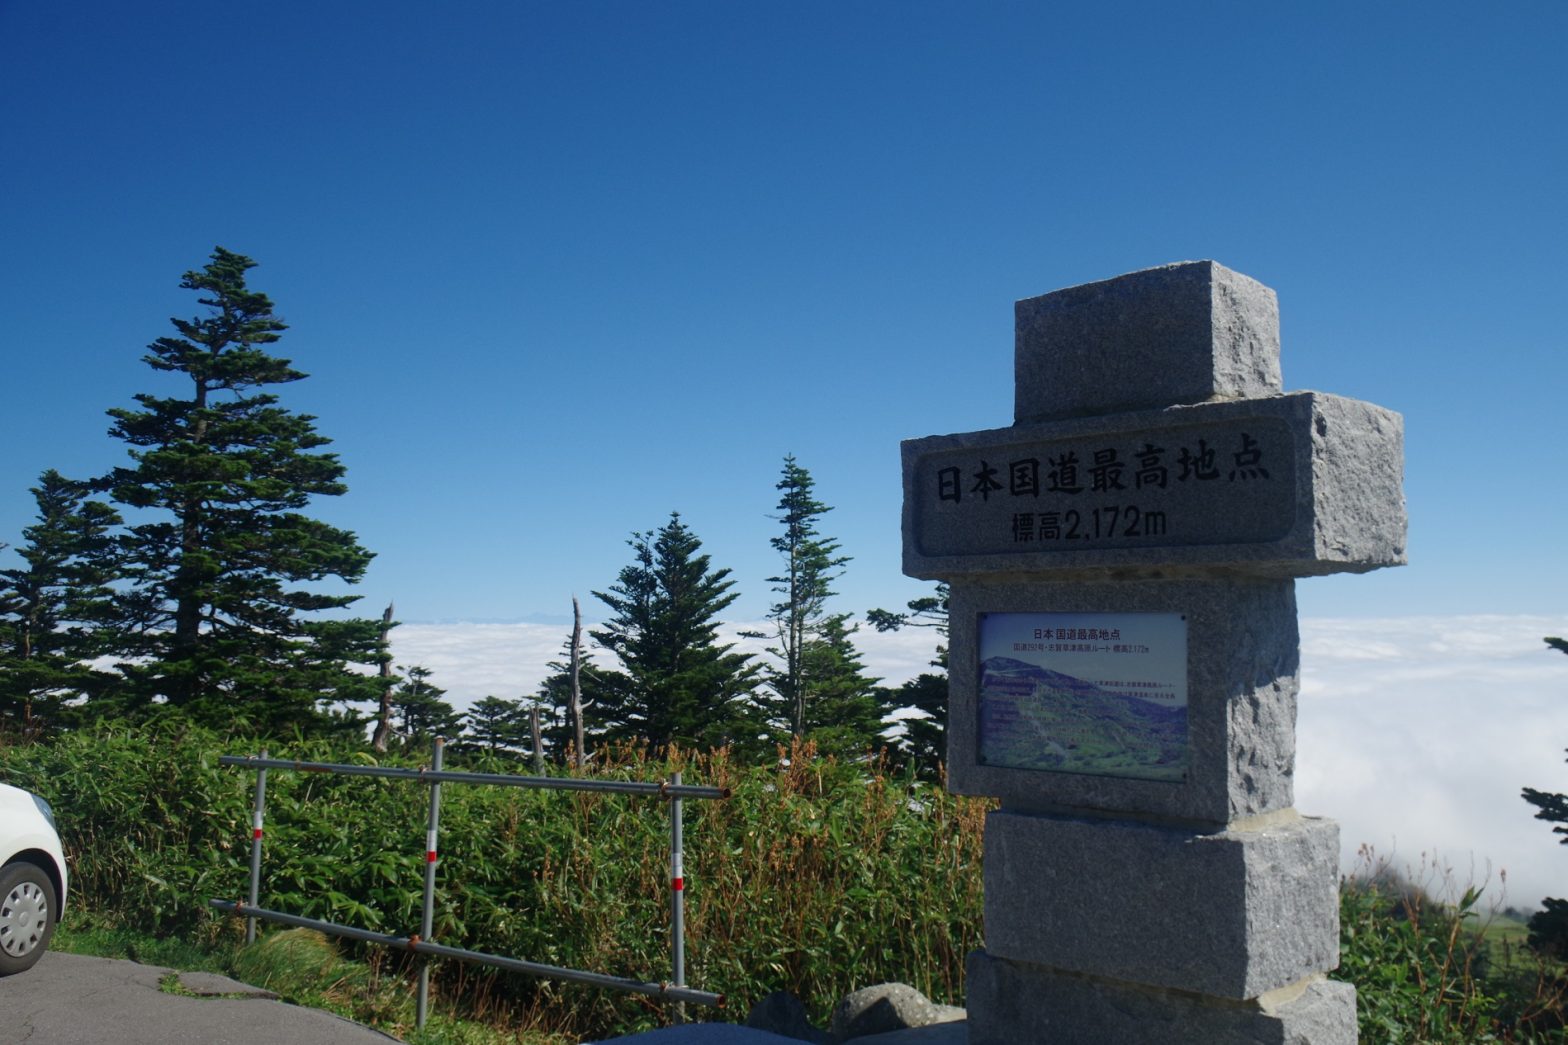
816	877
195	584
304	967
53	607
1439	971
665	606
218	556
814	686
924	743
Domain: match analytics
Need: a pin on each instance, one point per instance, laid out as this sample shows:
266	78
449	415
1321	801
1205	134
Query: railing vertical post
428	918
258	814
677	900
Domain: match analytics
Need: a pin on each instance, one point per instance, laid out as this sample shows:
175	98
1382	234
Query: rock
886	1007
782	1013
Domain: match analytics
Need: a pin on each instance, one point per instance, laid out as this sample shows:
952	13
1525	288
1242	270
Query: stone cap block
1231	915
1184	333
1292	485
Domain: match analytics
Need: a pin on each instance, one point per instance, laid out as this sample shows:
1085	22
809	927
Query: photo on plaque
1097	693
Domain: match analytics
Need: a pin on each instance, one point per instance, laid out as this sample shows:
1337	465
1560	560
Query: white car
32	878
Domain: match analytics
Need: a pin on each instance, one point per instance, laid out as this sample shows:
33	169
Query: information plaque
1096	693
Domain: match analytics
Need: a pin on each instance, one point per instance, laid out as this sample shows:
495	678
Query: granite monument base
1011	1003
1231	914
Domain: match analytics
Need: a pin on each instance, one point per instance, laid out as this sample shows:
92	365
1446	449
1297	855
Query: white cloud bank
1415	733
471	661
1418	733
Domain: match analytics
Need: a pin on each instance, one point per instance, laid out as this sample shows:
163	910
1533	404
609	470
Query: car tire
27	914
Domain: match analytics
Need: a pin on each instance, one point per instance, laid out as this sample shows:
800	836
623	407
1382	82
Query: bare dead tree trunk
577	689
533	722
378	740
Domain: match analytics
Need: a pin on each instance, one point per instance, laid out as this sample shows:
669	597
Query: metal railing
672	790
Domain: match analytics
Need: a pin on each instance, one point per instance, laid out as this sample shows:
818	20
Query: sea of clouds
1415	733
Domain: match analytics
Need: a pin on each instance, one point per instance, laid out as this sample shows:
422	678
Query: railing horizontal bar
554	972
546	783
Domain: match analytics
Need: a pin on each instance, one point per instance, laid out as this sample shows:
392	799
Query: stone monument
1124	663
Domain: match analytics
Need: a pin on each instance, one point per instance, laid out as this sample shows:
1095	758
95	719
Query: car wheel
27	906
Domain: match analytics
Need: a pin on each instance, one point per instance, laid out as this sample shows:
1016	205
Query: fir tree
214	618
52	607
801	619
924	742
496	724
844	714
686	686
418	705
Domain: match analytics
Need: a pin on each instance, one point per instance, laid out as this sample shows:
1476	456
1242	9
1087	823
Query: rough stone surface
883	1008
1243	656
1233	914
1013	1002
1295	485
1181	333
782	1013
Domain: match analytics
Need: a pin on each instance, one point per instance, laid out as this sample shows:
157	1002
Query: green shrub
1424	970
816	877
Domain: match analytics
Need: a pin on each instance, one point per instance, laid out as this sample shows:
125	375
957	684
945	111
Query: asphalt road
71	999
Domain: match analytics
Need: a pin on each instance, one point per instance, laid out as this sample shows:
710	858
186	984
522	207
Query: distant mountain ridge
1010	667
1068	724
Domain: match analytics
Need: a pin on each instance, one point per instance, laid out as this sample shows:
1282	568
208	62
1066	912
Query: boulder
886	1007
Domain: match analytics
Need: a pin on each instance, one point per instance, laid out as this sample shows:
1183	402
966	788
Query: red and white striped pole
677	899
428	918
258	814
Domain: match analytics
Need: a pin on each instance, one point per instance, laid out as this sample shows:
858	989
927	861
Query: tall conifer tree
219	550
53	605
811	642
686	686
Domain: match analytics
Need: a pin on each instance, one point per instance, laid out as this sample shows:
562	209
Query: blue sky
559	269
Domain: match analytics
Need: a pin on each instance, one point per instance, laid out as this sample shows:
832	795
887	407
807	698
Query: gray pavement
956	1033
72	999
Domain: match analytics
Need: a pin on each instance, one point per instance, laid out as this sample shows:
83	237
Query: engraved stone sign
1244	484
